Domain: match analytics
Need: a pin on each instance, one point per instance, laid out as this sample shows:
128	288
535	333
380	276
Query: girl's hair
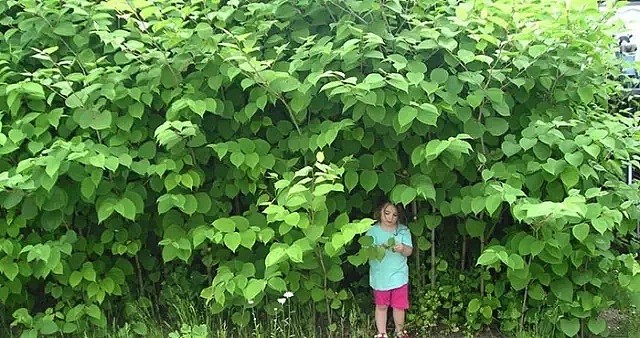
377	214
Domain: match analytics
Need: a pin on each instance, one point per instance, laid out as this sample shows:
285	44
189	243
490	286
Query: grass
183	317
188	319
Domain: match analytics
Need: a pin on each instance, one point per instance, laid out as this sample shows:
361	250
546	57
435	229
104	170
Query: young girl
389	277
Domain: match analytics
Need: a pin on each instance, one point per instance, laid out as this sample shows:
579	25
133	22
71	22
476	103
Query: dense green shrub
237	147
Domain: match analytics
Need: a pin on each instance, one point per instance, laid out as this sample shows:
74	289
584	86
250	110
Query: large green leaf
105	209
586	94
398	81
295	253
248	238
475	228
597	326
126	208
570	176
428	114
9	268
563	289
406	115
48	326
232	240
350	180
254	288
570	327
580	231
496	126
65	28
224	225
92	118
368	179
439	75
275	255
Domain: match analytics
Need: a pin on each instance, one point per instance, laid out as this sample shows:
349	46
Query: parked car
628	41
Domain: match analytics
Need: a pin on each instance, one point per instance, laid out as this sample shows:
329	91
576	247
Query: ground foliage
245	142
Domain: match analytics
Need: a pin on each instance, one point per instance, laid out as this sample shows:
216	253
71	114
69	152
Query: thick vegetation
236	148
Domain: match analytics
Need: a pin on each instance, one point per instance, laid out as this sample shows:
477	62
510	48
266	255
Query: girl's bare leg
381	318
398	319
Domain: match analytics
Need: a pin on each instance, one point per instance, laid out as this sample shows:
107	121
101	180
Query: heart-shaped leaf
597	326
232	240
570	327
527	143
510	148
406	115
580	231
575	159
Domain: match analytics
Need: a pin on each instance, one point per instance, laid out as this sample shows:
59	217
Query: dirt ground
615	319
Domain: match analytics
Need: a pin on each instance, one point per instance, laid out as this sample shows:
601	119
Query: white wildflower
288	294
251	301
282	300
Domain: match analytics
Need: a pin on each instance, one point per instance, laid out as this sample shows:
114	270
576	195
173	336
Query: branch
262	82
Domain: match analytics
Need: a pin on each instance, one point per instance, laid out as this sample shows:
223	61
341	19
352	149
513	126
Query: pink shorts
396	298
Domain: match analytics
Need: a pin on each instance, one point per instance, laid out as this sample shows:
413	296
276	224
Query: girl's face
389	215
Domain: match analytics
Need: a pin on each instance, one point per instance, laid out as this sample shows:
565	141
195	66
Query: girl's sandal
402	334
381	335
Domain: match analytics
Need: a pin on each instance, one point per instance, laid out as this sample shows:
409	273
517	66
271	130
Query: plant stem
414	209
482	277
324	280
464	252
433	257
524	300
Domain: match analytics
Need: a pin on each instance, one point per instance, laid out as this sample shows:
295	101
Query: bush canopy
248	141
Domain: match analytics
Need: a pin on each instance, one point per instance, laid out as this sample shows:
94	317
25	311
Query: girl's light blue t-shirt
392	271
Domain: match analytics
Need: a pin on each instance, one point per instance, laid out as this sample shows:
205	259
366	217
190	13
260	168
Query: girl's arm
403	249
407	244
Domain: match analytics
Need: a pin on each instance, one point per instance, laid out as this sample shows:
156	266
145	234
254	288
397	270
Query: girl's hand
399	248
